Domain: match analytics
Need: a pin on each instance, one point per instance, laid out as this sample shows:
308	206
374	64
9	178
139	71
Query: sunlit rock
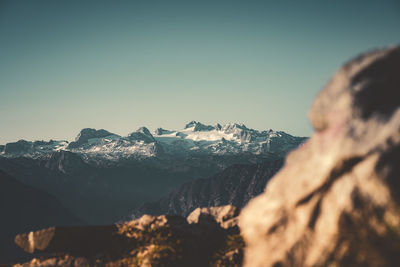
336	200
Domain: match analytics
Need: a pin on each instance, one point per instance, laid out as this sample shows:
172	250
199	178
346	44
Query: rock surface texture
336	201
208	237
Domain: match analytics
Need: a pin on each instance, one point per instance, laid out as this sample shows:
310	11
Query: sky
120	65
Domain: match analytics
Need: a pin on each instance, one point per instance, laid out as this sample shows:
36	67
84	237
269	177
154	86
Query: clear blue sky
119	65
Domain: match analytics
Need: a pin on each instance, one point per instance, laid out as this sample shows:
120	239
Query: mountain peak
234	125
161	131
143	130
142	134
235	128
199	127
190	124
15	147
86	134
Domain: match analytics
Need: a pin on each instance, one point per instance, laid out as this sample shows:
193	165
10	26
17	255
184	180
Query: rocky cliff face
336	202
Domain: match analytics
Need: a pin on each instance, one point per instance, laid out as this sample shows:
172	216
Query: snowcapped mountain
102	176
195	139
32	149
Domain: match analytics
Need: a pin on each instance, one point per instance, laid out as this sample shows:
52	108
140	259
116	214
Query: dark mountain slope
104	194
235	185
24	208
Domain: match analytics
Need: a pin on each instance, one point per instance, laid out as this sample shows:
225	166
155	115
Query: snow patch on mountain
195	138
32	149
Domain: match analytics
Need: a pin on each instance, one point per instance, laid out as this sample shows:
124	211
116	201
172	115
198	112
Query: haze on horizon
119	65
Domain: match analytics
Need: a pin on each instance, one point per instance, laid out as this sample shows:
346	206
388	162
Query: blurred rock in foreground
209	237
336	202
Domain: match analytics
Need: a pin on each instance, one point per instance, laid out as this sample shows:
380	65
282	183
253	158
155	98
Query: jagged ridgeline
102	176
196	138
235	185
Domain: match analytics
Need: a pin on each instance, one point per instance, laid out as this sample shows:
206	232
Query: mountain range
194	140
101	177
